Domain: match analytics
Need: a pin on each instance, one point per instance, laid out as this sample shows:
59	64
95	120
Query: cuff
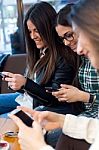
47	147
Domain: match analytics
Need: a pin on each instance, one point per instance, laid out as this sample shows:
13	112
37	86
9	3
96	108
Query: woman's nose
67	43
33	35
80	50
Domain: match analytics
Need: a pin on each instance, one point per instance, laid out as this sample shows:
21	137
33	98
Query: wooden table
9	125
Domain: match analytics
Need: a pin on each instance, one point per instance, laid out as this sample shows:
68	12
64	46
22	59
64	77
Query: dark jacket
63	74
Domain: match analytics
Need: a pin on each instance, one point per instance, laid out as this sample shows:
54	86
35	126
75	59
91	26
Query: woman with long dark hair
49	64
85	16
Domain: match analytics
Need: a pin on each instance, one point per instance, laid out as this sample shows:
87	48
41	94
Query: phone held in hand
2	75
50	89
23	116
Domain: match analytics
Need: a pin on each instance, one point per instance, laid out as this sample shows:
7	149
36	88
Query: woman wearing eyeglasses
87	89
85	128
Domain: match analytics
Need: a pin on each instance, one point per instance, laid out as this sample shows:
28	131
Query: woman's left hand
15	81
29	138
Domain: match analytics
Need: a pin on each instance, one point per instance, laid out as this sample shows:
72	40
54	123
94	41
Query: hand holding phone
23	116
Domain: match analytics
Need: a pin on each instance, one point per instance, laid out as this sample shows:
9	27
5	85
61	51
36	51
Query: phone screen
25	118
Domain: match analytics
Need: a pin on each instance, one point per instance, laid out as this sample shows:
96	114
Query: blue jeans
7	102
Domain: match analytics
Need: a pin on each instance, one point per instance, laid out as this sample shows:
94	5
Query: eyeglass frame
65	36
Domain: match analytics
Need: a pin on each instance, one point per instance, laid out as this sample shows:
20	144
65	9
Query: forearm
81	127
40	93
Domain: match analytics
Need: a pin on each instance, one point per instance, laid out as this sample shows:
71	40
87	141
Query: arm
63	74
73	126
30	138
81	127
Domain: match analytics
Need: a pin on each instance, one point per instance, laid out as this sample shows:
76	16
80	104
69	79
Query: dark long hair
86	16
62	19
43	15
62	15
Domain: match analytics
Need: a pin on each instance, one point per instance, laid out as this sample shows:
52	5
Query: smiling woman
49	64
64	28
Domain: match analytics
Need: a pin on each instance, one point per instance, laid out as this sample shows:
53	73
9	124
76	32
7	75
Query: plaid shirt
89	82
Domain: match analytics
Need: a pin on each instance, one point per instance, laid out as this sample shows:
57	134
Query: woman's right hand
71	94
15	81
48	120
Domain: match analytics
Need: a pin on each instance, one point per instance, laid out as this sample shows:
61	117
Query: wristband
92	99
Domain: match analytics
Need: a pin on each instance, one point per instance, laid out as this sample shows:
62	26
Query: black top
63	74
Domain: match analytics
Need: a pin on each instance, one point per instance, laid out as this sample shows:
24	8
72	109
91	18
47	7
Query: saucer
6	147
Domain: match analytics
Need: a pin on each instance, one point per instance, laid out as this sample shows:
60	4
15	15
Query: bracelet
92	99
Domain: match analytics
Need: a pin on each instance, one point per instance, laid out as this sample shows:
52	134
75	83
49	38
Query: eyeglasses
69	36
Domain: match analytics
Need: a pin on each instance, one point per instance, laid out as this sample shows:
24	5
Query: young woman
50	63
88	78
88	44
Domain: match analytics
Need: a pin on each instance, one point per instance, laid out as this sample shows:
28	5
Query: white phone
23	116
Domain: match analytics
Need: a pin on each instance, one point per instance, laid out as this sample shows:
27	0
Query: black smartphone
23	116
50	89
2	75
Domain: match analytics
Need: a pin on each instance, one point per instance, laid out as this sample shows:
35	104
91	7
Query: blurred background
11	23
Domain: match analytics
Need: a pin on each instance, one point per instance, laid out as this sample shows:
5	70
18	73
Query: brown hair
85	14
43	15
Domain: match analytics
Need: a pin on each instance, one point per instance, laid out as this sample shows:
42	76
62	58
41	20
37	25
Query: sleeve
40	93
81	127
47	147
63	74
95	145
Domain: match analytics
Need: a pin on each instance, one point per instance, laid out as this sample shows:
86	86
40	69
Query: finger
26	109
10	79
18	121
66	86
9	74
56	94
51	126
37	126
62	99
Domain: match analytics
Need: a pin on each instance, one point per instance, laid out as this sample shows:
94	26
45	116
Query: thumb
66	86
18	121
37	125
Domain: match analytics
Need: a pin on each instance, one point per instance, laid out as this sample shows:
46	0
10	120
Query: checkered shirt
89	82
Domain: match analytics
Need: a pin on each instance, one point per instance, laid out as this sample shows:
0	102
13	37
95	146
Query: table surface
8	125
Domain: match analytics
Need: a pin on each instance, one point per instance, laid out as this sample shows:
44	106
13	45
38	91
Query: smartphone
50	89
23	116
2	75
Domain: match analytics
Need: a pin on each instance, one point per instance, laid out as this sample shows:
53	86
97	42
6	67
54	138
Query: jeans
7	102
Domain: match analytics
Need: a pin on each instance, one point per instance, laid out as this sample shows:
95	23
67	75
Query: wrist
85	96
92	98
61	120
24	83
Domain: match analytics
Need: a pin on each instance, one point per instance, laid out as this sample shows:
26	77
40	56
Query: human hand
48	120
15	81
29	138
68	93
